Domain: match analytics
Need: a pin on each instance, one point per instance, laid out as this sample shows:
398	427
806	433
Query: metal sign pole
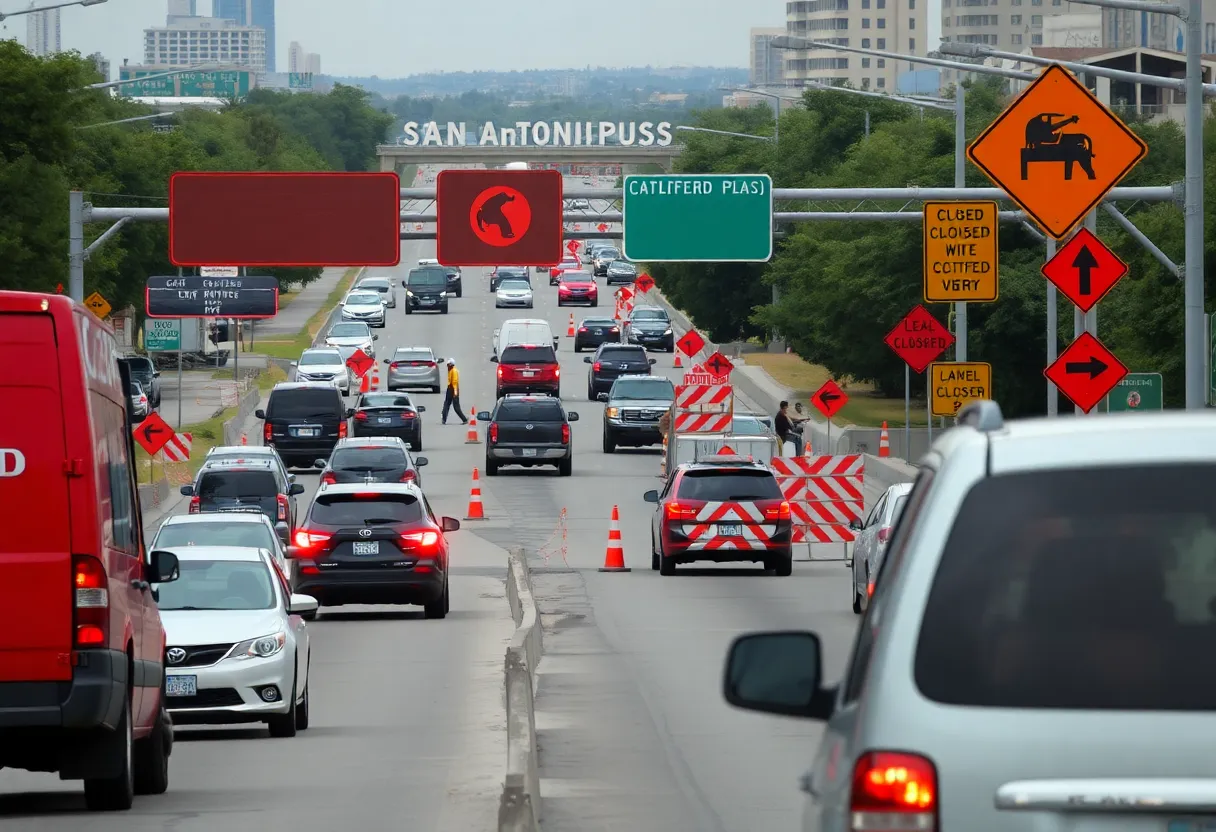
1053	334
929	411
907	411
960	180
180	327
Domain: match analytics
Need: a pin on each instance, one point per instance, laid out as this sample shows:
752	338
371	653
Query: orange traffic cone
476	512
244	438
884	442
806	449
365	383
375	383
471	437
614	558
676	363
570	328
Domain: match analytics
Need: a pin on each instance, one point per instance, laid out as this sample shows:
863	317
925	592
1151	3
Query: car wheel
491	467
435	388
439	607
152	756
416	445
460	291
116	793
566	467
302	707
284	725
309	616
655	558
667	566
595	303
609	442
445	309
783	567
590	392
577	348
407	310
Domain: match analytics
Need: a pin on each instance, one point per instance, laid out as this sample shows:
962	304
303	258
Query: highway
407	722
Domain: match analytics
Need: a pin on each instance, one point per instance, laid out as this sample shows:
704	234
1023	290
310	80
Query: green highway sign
299	80
163	335
220	84
698	218
1137	392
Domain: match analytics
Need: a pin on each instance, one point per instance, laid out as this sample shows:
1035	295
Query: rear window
528	355
623	353
357	510
435	277
1085	589
413	355
218	533
304	404
236	485
599	322
729	485
380	284
367	459
385	400
538	411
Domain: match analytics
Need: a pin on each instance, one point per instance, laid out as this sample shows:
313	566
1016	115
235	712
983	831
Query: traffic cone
676	363
570	328
884	442
471	437
476	512
614	557
365	383
244	438
375	383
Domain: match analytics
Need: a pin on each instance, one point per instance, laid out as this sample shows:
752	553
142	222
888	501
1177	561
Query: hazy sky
393	38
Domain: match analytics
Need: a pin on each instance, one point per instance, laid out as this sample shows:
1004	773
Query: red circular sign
500	216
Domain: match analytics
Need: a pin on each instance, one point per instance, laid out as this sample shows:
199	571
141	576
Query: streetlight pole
52	7
725	133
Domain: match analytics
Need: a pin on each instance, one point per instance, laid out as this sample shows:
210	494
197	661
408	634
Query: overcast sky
393	38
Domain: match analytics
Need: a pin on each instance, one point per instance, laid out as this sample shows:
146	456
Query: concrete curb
245	408
519	806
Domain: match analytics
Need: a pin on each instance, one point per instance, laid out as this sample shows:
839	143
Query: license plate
368	548
730	530
384	420
181	686
599	332
307	432
528	373
529	451
428	300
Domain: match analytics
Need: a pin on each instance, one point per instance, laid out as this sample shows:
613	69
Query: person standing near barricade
451	399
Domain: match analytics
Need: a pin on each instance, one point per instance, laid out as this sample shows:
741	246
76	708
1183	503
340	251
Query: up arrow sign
1085	263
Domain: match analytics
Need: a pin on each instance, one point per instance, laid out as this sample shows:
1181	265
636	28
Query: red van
81	641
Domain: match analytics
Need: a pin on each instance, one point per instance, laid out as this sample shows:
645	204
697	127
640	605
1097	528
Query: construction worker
451	398
665	423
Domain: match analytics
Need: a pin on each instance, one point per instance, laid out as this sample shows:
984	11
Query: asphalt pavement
408	723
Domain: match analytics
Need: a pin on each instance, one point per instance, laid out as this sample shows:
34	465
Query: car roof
603	318
255	463
245	554
528	397
643	377
372	488
638	309
413	347
369	441
725	462
211	517
363	280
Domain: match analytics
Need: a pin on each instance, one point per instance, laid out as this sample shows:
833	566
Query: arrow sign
1085	263
360	362
829	399
1084	269
602	227
719	365
153	433
1086	372
572	246
691	343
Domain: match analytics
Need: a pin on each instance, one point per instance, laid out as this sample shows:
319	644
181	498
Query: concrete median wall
519	806
245	407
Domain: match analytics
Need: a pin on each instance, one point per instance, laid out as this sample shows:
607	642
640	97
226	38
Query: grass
290	349
865	408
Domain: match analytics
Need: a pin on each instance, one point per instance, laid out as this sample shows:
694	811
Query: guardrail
519	805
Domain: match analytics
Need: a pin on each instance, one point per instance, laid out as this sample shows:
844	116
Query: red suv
527	368
81	640
723	509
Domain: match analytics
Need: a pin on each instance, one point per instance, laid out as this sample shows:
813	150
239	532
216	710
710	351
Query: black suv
246	485
611	361
382	459
426	290
528	431
455	280
143	371
303	421
633	408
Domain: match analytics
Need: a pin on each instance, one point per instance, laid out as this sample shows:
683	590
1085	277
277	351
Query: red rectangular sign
499	217
284	219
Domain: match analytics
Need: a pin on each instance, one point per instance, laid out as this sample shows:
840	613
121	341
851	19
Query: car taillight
307	539
342	428
565	434
493	432
675	511
267	433
884	534
781	512
582	329
422	540
195	506
893	790
615	329
595	368
408	476
360	416
500	371
407	414
429	364
92	601
392	365
328	478
282	501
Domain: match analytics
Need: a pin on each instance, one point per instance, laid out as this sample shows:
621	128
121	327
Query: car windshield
658	389
648	315
218	585
351	330
528	355
362	299
428	278
622	266
719	485
236	485
385	400
609	253
505	272
515	410
365	510
576	277
379	284
514	284
320	357
368	458
305	403
214	533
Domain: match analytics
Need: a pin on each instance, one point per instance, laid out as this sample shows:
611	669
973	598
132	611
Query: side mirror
651	496
296	488
350	411
319	463
483	415
284	533
420	408
572	416
403	285
494	358
375	337
156	374
421	461
186	490
653	361
295	364
601	397
301	604
163	567
587	360
259	413
855	525
776	673
450	524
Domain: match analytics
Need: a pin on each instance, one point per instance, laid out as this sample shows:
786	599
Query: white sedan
364	305
323	364
513	292
237	647
351	335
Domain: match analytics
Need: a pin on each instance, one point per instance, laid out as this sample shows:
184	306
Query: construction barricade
825	494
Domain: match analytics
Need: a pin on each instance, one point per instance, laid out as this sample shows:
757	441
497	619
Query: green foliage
44	153
844	285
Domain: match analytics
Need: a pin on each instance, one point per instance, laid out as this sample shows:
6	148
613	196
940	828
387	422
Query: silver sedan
414	367
513	292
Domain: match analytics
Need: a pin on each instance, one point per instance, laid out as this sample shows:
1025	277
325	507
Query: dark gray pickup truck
528	431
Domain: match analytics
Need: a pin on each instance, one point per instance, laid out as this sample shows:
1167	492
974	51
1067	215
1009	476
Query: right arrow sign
1084	269
1086	372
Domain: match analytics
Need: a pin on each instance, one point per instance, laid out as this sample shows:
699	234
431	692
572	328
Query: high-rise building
42	35
206	40
102	65
765	68
183	8
251	13
301	60
1019	27
887	25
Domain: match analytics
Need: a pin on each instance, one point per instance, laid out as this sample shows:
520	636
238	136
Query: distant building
251	13
206	40
42	35
183	8
103	65
1025	27
301	60
765	68
887	25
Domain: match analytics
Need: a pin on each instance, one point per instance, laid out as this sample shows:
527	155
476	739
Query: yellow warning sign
956	384
98	305
961	252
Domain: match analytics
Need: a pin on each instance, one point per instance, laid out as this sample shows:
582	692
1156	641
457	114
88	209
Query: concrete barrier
519	805
153	494
335	315
245	407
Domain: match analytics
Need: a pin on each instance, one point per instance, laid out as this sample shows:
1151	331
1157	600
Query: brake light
195	506
92	601
342	428
675	511
408	476
781	512
595	368
429	364
565	434
360	416
282	500
392	365
267	433
328	478
870	590
615	329
500	371
493	432
407	414
582	329
423	540
893	790
307	539
884	534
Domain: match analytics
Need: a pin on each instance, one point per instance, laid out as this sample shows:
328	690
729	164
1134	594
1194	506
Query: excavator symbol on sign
1046	143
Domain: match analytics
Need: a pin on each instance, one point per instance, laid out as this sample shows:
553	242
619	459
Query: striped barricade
825	495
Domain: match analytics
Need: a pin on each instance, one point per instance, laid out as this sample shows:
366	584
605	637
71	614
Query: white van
522	332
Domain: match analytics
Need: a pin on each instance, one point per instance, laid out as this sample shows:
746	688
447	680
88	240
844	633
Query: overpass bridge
394	157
